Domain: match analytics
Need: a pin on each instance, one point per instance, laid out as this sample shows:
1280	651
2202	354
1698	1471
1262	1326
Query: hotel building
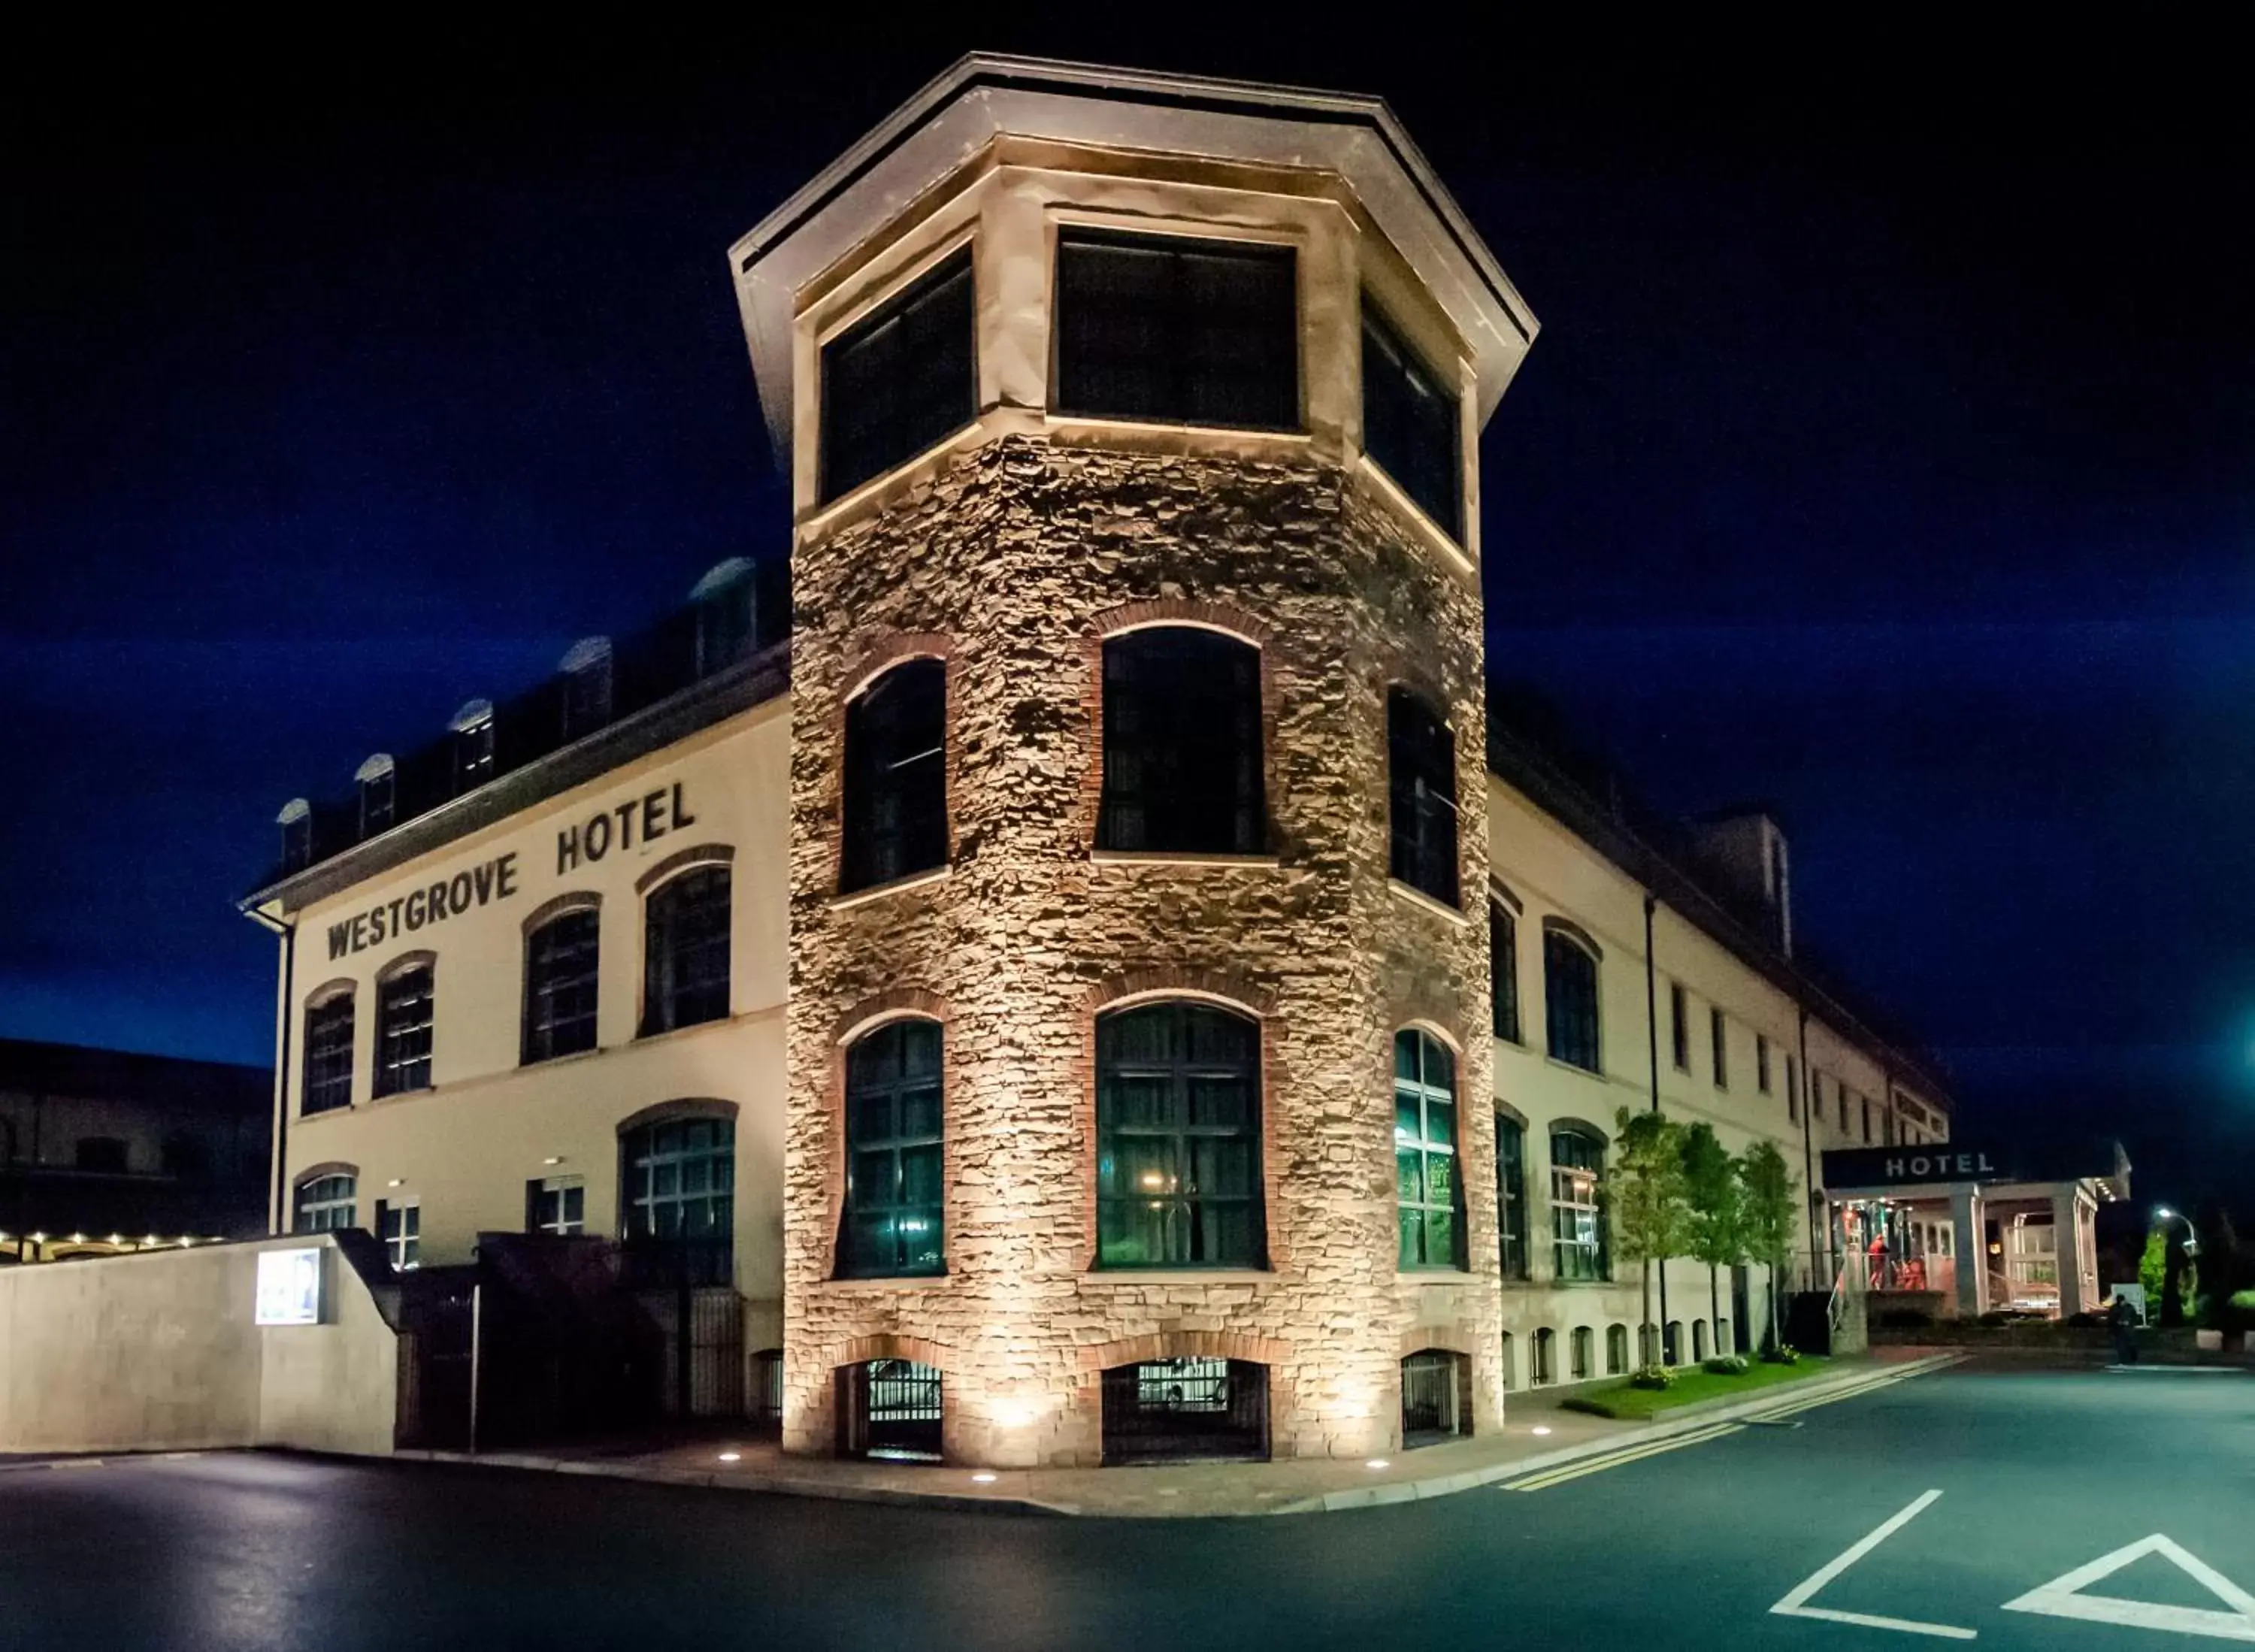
1085	983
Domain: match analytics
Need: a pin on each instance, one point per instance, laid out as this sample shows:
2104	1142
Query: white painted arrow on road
2064	1597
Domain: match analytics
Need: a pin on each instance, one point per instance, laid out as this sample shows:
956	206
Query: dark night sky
1888	453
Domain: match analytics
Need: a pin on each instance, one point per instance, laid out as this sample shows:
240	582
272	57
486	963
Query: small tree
1645	1190
2153	1270
1714	1214
1766	1211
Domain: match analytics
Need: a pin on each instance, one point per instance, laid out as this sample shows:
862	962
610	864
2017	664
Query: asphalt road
2039	1475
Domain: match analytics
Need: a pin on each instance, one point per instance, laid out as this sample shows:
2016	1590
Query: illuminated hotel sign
289	1288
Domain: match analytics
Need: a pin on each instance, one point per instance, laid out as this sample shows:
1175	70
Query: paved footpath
2013	1508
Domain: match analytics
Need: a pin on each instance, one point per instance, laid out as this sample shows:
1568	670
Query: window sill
1457	554
545	1061
1172	857
883	1282
1434	1276
1569	1066
1417	897
1167	434
878	891
1193	1275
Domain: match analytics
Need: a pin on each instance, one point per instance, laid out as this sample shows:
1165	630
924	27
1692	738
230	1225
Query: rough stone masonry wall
1009	563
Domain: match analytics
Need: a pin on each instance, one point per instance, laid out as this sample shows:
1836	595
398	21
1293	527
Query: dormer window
899	380
1410	422
1177	329
473	732
586	670
296	823
723	601
376	793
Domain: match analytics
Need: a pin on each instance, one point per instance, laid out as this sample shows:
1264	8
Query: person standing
2123	1318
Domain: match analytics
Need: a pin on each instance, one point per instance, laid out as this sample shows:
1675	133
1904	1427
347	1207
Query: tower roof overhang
985	96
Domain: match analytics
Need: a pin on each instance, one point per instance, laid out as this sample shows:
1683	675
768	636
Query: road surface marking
1795	1408
2064	1597
1575	1471
1796	1604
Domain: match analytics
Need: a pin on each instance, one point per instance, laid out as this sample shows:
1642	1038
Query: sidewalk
1537	1435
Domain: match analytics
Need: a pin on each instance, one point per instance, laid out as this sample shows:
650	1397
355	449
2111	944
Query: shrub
1783	1353
1582	1402
1726	1365
1651	1376
1906	1318
2086	1319
1993	1318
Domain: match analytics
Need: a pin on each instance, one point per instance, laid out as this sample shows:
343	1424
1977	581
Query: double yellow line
1795	1408
1560	1475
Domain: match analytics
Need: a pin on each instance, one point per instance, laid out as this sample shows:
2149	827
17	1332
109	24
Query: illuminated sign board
289	1288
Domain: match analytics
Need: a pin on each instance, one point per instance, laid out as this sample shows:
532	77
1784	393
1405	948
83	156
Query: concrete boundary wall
158	1351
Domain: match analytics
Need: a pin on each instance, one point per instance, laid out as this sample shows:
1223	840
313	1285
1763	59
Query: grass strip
1619	1400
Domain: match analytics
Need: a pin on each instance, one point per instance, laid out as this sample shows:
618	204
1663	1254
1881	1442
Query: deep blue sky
1888	453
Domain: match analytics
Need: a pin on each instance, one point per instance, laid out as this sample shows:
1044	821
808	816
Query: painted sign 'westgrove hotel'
1090	983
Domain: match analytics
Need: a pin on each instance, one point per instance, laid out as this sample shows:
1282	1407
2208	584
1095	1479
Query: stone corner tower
1139	1021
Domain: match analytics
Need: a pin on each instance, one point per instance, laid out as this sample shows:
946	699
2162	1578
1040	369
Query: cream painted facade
464	1150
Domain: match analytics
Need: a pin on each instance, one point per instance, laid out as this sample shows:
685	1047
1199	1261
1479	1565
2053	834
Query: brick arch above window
1572	930
1212	616
1579	1127
1120	992
891	1344
327	1167
896	648
425	960
574	901
341	987
895	1004
1176	1344
1437	1026
1423	1338
683	860
682	1108
1504	1109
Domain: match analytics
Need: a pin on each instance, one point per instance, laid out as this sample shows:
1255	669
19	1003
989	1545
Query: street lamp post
2170	1314
2163	1213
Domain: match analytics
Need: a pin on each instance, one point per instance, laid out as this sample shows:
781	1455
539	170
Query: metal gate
1435	1397
1173	1411
889	1409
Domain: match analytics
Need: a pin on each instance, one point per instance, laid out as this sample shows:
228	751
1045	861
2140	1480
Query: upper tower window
376	793
1421	758
296	823
896	804
900	379
723	601
1178	330
586	670
473	729
1182	743
1410	422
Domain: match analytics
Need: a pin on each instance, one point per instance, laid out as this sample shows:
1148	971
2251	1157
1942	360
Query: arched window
328	1079
895	804
1503	955
722	602
1584	1354
1577	1222
296	823
1182	743
1546	1359
686	951
1616	1350
1569	993
403	1016
560	967
1511	1194
378	794
894	1209
1671	1346
1509	1358
585	672
1431	1194
1421	768
473	732
1178	1138
679	1199
1699	1348
325	1203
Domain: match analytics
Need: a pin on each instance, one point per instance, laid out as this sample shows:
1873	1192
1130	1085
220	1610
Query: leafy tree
1766	1210
1645	1190
2154	1270
1714	1214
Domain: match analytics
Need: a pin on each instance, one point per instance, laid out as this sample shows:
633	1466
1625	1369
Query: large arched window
679	1199
325	1203
1511	1194
1178	1138
1431	1199
686	951
328	1080
1577	1217
1421	767
893	1216
560	964
895	808
404	1015
1570	995
1182	743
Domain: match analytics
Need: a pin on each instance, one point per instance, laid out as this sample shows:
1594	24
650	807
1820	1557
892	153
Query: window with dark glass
1616	1350
1679	1027
473	733
329	1054
561	959
1429	1191
1178	329
400	1226
680	1199
1410	424
325	1204
895	773
376	795
403	1030
1511	1194
1182	743
1584	1346
1503	961
1761	1062
686	951
723	606
586	675
1421	767
900	379
1569	993
1718	1045
103	1153
557	1205
1178	1138
1792	1091
1578	1218
894	1211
